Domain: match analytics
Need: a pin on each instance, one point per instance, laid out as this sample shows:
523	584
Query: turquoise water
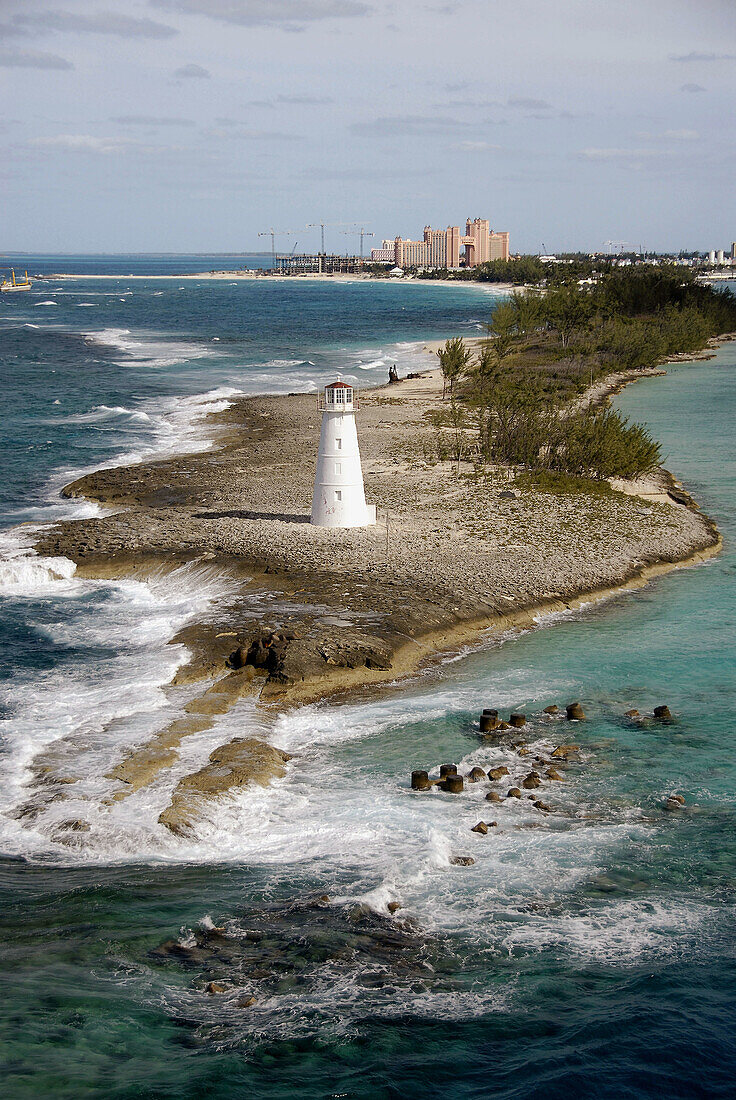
586	952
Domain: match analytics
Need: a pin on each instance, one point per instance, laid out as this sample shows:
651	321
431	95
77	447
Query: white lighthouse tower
339	497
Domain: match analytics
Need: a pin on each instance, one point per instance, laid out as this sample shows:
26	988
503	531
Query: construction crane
272	234
330	225
610	245
363	233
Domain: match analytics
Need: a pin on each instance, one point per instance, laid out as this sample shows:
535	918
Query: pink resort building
441	247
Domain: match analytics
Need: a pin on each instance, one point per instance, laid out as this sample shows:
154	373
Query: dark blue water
590	952
133	264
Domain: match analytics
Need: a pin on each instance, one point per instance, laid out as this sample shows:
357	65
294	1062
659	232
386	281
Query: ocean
588	952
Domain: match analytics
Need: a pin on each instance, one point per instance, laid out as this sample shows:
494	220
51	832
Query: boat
9	285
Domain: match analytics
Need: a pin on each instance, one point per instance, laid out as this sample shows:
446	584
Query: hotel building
440	248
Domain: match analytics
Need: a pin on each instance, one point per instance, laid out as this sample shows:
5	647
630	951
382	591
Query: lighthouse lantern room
339	496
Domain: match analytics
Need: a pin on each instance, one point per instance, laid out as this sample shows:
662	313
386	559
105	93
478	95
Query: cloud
25	59
692	88
682	135
695	56
192	72
82	143
292	100
12	30
104	22
529	104
287	14
594	154
408	126
305	100
152	120
474	146
246	134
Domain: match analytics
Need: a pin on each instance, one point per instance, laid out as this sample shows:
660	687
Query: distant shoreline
251	276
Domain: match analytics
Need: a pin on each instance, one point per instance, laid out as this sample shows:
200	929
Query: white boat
12	284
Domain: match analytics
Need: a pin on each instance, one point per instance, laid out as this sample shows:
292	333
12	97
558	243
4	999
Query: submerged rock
553	709
553	774
493	796
575	712
462	861
241	763
563	751
662	713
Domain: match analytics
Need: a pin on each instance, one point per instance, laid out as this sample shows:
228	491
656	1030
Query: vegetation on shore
514	402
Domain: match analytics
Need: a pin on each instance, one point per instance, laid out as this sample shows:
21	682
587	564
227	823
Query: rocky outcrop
289	659
240	763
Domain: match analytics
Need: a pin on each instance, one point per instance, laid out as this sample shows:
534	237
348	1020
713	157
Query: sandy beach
457	556
229	276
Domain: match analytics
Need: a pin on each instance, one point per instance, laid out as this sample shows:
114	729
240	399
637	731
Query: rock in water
631	714
517	720
563	751
453	784
488	722
462	861
481	828
475	775
553	709
531	781
663	713
575	712
552	773
493	796
514	792
420	781
240	763
498	773
447	769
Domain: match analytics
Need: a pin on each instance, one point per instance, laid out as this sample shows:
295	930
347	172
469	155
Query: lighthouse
339	496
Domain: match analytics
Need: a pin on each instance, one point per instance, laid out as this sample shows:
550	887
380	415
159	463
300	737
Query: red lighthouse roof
338	386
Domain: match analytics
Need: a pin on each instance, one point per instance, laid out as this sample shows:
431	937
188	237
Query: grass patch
554	481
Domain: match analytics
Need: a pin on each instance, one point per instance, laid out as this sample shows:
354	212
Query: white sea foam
148	349
25	573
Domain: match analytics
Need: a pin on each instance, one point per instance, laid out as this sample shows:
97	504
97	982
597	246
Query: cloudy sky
191	125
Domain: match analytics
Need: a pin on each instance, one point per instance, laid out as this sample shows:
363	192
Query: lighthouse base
323	517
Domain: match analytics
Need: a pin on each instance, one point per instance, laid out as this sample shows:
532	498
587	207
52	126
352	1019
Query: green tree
454	359
567	308
504	328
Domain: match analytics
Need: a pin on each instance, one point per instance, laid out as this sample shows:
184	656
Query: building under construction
318	264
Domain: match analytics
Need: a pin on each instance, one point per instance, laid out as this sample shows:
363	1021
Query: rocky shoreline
455	555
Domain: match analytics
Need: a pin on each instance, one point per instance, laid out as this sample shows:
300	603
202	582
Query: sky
195	125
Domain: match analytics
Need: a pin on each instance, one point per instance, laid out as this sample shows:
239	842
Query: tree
567	308
504	328
454	359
